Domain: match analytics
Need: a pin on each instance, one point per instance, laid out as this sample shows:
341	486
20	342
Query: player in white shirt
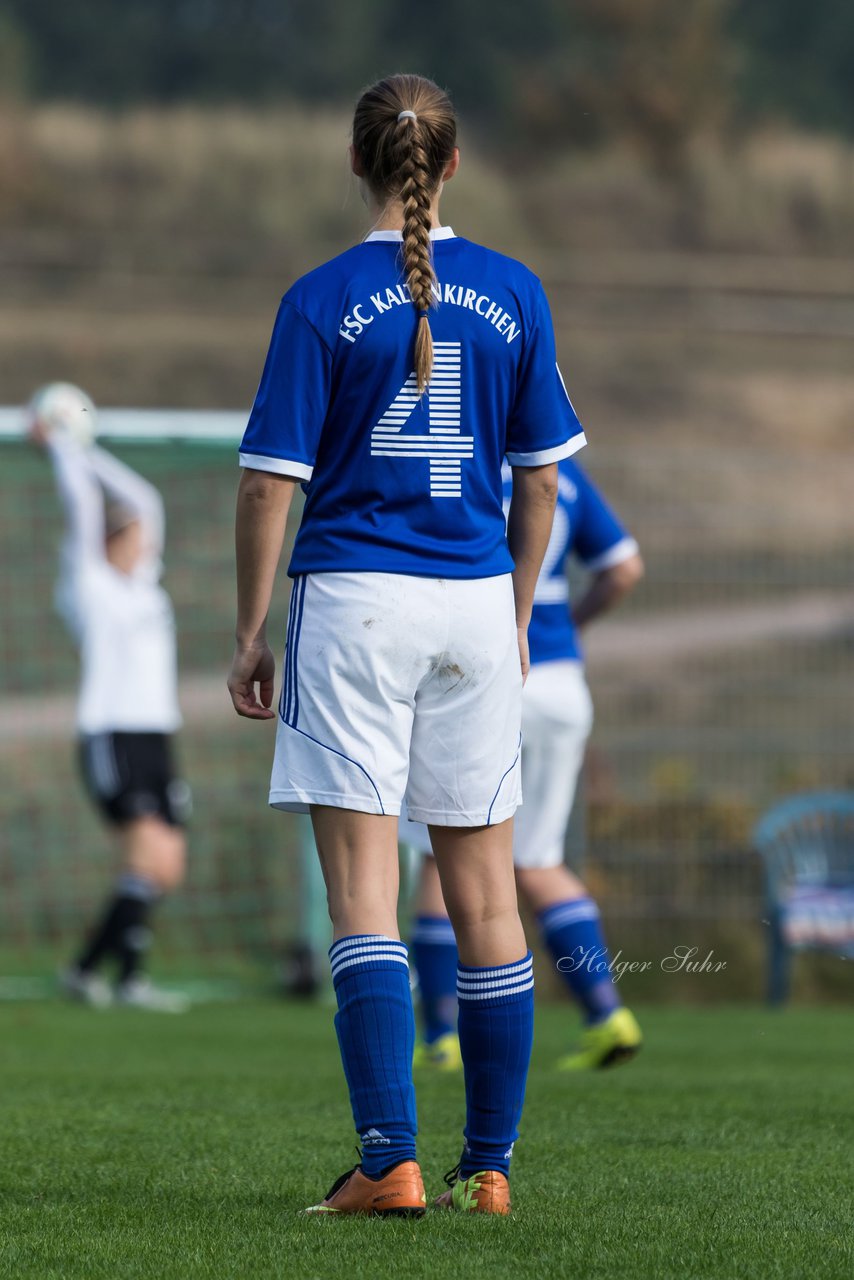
400	376
110	597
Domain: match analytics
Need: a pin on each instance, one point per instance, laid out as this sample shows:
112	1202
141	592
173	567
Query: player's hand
37	433
251	666
524	657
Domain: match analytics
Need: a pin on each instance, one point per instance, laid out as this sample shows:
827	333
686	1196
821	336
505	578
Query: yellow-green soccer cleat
442	1055
605	1044
487	1192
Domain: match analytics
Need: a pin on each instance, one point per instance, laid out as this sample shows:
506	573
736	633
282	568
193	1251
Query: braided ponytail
405	158
417	259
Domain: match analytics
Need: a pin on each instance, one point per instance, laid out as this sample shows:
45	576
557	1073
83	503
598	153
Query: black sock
123	930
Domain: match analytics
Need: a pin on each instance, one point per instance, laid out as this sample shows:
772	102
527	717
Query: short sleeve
601	540
283	432
543	426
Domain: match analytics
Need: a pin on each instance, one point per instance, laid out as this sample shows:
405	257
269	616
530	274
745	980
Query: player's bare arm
529	525
607	588
263	503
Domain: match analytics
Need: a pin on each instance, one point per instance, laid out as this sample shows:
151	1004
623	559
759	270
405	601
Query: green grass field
137	1146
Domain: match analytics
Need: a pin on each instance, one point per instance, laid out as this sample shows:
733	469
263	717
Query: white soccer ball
63	408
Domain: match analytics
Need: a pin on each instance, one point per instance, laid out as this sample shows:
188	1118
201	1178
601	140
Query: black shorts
131	775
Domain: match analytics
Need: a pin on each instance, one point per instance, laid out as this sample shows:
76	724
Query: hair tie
422	315
406	115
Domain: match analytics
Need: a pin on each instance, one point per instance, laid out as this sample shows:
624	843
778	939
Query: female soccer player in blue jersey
399	377
556	720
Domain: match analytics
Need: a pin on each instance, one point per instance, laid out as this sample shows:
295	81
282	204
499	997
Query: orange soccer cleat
398	1194
487	1192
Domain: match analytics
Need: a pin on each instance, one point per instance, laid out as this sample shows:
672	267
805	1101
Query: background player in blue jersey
556	721
400	376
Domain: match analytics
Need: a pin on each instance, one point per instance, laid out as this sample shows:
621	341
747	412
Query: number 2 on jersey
444	446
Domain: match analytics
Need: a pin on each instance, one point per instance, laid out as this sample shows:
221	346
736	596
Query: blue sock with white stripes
376	1034
572	931
434	954
496	1025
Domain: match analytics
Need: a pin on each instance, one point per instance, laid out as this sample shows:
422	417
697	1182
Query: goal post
206	427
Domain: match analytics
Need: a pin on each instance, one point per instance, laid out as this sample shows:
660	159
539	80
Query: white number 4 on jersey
444	447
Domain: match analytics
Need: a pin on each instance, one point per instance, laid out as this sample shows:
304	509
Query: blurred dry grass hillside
144	252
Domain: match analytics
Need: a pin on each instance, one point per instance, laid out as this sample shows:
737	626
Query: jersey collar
438	233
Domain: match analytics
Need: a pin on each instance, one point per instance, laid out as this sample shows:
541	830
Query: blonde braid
415	192
404	158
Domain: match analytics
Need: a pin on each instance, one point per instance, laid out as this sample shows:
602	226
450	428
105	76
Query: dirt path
673	634
647	642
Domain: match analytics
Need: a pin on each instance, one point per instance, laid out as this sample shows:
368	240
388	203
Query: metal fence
722	684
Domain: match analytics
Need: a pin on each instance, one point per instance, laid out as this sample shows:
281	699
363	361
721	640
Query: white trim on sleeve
621	551
541	457
281	466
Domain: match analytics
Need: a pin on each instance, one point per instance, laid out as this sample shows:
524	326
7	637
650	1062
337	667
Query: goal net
243	888
719	686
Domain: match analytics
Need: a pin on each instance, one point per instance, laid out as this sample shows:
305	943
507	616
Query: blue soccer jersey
584	526
394	482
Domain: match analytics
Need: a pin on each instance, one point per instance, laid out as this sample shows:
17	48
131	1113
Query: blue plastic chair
807	845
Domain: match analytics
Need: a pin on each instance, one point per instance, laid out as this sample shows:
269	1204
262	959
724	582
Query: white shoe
89	988
141	993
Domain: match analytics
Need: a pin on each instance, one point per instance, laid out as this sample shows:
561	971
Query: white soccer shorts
400	687
557	716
